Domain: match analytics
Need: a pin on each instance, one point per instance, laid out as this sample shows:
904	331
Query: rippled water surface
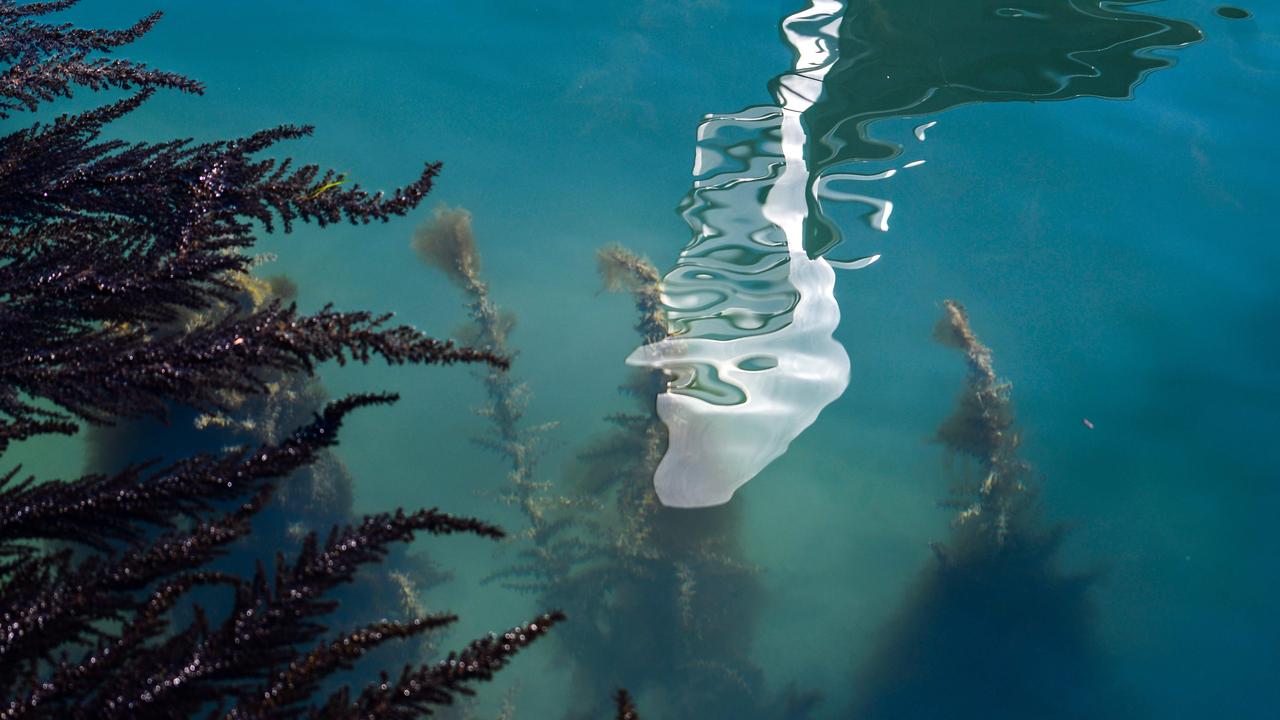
1091	180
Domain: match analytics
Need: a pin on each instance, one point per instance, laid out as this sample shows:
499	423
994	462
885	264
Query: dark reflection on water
1233	13
902	58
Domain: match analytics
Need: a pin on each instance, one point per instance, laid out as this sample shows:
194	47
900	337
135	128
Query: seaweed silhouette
123	274
994	628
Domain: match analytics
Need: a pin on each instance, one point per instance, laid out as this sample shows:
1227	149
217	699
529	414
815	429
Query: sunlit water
1118	255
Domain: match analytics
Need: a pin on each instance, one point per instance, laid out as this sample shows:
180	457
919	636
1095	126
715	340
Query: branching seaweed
624	271
122	275
981	428
312	498
44	61
667	585
448	244
116	603
672	586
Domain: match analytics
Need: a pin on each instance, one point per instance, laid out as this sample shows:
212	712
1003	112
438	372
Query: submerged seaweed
123	274
994	628
663	599
312	498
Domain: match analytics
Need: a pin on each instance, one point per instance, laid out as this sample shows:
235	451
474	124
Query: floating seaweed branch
102	373
415	692
102	240
311	498
99	510
981	427
98	242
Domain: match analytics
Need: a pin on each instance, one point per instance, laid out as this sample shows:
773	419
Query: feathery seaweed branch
45	61
121	267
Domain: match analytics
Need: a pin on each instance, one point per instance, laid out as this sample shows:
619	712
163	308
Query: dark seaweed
122	284
45	61
312	498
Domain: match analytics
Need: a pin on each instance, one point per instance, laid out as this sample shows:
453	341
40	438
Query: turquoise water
1119	257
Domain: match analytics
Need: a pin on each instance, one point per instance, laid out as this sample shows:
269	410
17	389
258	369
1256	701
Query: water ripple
750	302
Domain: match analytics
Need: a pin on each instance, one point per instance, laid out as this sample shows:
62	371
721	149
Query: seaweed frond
624	271
981	427
448	244
117	604
124	275
994	604
46	61
416	691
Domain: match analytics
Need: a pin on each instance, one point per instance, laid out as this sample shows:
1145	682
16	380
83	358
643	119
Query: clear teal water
1119	256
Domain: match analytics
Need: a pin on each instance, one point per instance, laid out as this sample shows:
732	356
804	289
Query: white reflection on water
752	356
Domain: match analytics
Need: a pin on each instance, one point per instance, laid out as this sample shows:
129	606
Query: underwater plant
447	243
122	274
671	586
313	498
994	627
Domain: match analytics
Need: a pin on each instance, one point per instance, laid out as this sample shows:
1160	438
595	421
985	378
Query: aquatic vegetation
45	61
310	499
448	244
85	273
668	585
123	278
993	628
671	585
624	271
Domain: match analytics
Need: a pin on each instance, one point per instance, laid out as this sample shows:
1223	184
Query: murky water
1092	182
